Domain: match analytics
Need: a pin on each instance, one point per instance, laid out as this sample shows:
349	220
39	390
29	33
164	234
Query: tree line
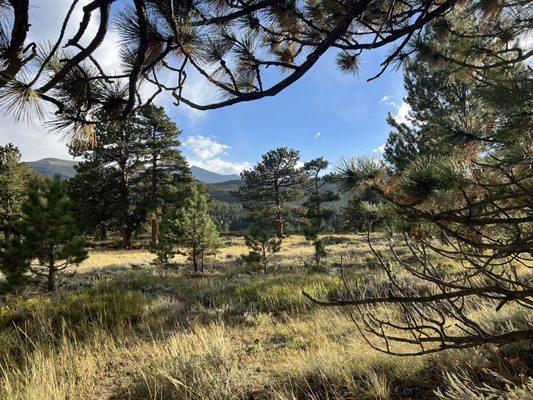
455	186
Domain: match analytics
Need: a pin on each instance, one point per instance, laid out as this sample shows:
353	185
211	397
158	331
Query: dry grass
118	332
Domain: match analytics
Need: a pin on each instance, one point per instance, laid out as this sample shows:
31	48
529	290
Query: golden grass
295	249
151	333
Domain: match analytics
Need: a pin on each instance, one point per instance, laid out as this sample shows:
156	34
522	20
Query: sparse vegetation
432	301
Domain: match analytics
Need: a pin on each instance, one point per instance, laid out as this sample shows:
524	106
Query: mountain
53	166
65	168
208	177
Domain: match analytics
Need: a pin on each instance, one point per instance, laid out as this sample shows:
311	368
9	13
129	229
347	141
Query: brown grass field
121	328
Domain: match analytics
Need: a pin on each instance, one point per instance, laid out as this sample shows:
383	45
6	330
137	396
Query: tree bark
102	231
51	284
279	227
195	263
155	229
126	238
7	236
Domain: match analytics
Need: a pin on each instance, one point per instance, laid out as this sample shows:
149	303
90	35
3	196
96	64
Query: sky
326	113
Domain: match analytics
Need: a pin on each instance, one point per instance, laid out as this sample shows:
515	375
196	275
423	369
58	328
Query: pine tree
317	213
14	265
92	189
192	228
49	231
167	173
263	242
272	185
467	206
14	179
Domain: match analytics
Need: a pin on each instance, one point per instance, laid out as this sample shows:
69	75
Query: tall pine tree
272	185
317	212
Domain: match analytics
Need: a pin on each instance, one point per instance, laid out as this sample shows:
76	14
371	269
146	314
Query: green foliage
272	185
49	230
229	217
133	171
263	242
14	264
192	228
315	203
14	179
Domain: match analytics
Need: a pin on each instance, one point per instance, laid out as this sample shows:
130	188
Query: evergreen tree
192	228
49	230
132	172
14	179
121	149
263	242
14	264
92	190
468	205
317	214
167	173
272	185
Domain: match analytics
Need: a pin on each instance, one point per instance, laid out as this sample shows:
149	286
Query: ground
122	328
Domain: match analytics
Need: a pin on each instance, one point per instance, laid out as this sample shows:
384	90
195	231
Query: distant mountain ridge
209	177
53	166
65	168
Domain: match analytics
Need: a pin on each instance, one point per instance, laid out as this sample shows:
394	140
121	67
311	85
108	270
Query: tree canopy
230	45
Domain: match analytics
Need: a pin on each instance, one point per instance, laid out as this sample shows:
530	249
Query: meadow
119	327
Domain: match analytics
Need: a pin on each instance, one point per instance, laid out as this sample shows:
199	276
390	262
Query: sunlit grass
114	331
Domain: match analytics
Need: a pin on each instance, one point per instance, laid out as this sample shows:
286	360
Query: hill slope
65	168
206	176
53	166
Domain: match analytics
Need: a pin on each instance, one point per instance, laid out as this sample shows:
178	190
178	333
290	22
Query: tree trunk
279	227
195	263
102	231
155	228
7	236
51	284
126	237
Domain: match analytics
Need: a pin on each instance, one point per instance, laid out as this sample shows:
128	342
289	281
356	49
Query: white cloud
203	147
317	135
206	153
387	100
221	166
402	116
380	149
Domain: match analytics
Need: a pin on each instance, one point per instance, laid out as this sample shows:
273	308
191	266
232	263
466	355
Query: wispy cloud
388	101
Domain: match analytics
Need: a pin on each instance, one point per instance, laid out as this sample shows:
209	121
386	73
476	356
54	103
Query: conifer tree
190	227
463	214
167	173
263	243
14	264
92	189
14	179
230	44
49	231
272	185
317	213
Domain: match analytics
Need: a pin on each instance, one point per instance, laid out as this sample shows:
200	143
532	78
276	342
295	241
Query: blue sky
326	113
